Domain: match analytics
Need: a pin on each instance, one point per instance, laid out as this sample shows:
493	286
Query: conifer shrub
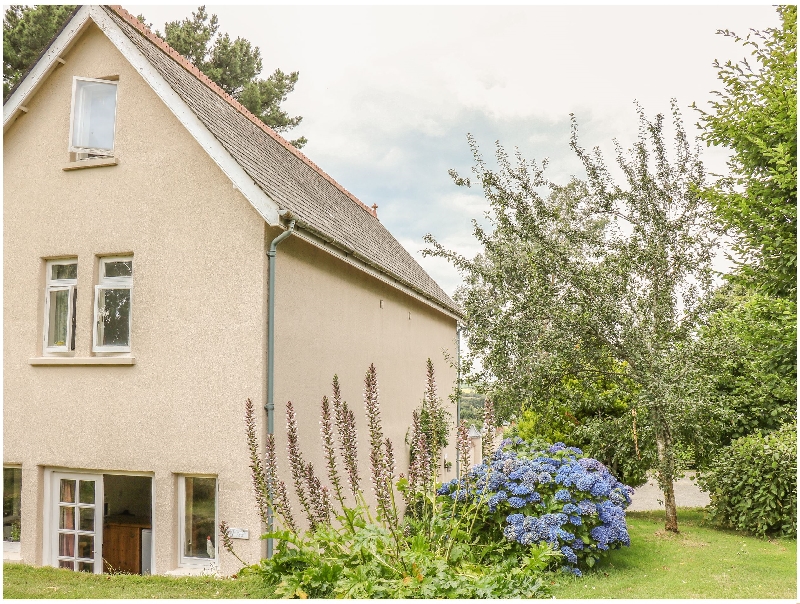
753	484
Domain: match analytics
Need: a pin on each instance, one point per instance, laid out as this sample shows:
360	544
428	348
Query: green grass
22	581
699	562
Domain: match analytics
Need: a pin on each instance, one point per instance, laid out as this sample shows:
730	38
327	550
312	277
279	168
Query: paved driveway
687	494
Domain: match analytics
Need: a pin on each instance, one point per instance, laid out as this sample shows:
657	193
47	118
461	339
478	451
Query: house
140	206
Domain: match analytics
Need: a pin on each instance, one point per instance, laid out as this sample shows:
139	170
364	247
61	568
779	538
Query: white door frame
52	536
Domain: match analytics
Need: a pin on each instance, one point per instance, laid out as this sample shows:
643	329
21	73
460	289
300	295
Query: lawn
699	562
22	581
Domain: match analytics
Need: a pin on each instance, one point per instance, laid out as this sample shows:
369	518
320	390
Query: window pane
67	518
57	321
67	491
113	316
87	519
93	121
66	544
119	269
66	564
64	271
85	546
200	511
86	567
12	491
87	491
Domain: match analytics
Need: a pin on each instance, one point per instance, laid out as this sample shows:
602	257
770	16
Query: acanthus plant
352	551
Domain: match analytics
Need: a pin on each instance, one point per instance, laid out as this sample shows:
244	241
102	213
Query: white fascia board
262	203
44	66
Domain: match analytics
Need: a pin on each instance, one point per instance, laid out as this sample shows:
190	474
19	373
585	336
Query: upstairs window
112	308
59	305
94	109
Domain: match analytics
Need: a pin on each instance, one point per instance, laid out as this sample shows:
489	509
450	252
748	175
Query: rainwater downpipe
459	329
270	406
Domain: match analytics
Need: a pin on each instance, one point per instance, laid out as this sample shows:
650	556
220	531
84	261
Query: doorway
127	524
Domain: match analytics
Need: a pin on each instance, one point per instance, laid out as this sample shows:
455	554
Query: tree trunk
666	471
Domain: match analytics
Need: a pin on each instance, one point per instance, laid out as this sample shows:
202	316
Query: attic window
94	109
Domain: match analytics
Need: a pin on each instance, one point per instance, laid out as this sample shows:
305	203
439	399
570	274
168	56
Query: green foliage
331	563
599	417
746	358
755	116
27	30
753	484
471	406
235	66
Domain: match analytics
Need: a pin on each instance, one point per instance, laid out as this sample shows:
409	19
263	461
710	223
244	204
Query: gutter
270	406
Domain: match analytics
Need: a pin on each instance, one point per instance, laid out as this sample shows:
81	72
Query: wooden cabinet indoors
122	544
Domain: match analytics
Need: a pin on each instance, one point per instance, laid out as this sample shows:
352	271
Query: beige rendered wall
198	333
329	320
199	315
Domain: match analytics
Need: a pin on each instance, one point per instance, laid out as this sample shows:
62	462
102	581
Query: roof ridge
195	71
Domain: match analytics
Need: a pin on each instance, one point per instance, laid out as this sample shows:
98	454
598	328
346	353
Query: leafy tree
27	30
745	358
234	65
599	416
471	407
755	116
589	270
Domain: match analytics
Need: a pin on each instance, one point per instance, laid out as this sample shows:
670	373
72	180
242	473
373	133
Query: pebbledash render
140	202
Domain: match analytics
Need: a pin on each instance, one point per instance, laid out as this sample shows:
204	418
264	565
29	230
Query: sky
389	93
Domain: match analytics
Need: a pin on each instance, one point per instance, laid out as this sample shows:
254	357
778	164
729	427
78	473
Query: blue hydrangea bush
531	493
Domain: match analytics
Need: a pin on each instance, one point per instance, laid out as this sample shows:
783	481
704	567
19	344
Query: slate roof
292	180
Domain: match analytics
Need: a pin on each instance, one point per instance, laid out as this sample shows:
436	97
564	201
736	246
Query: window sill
82	361
91	163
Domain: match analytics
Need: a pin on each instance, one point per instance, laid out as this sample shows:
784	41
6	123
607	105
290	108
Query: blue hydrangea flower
563	495
569	554
516	502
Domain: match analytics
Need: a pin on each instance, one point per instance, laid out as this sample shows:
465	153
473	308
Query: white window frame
52	285
187	561
87	152
112	283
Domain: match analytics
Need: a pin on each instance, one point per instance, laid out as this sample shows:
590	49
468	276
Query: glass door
78	522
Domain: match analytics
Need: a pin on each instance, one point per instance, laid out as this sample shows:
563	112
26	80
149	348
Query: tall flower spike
260	480
326	431
284	507
296	462
348	437
376	453
320	499
463	445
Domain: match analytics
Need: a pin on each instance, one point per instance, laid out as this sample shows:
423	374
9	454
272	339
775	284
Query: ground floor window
198	519
12	499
